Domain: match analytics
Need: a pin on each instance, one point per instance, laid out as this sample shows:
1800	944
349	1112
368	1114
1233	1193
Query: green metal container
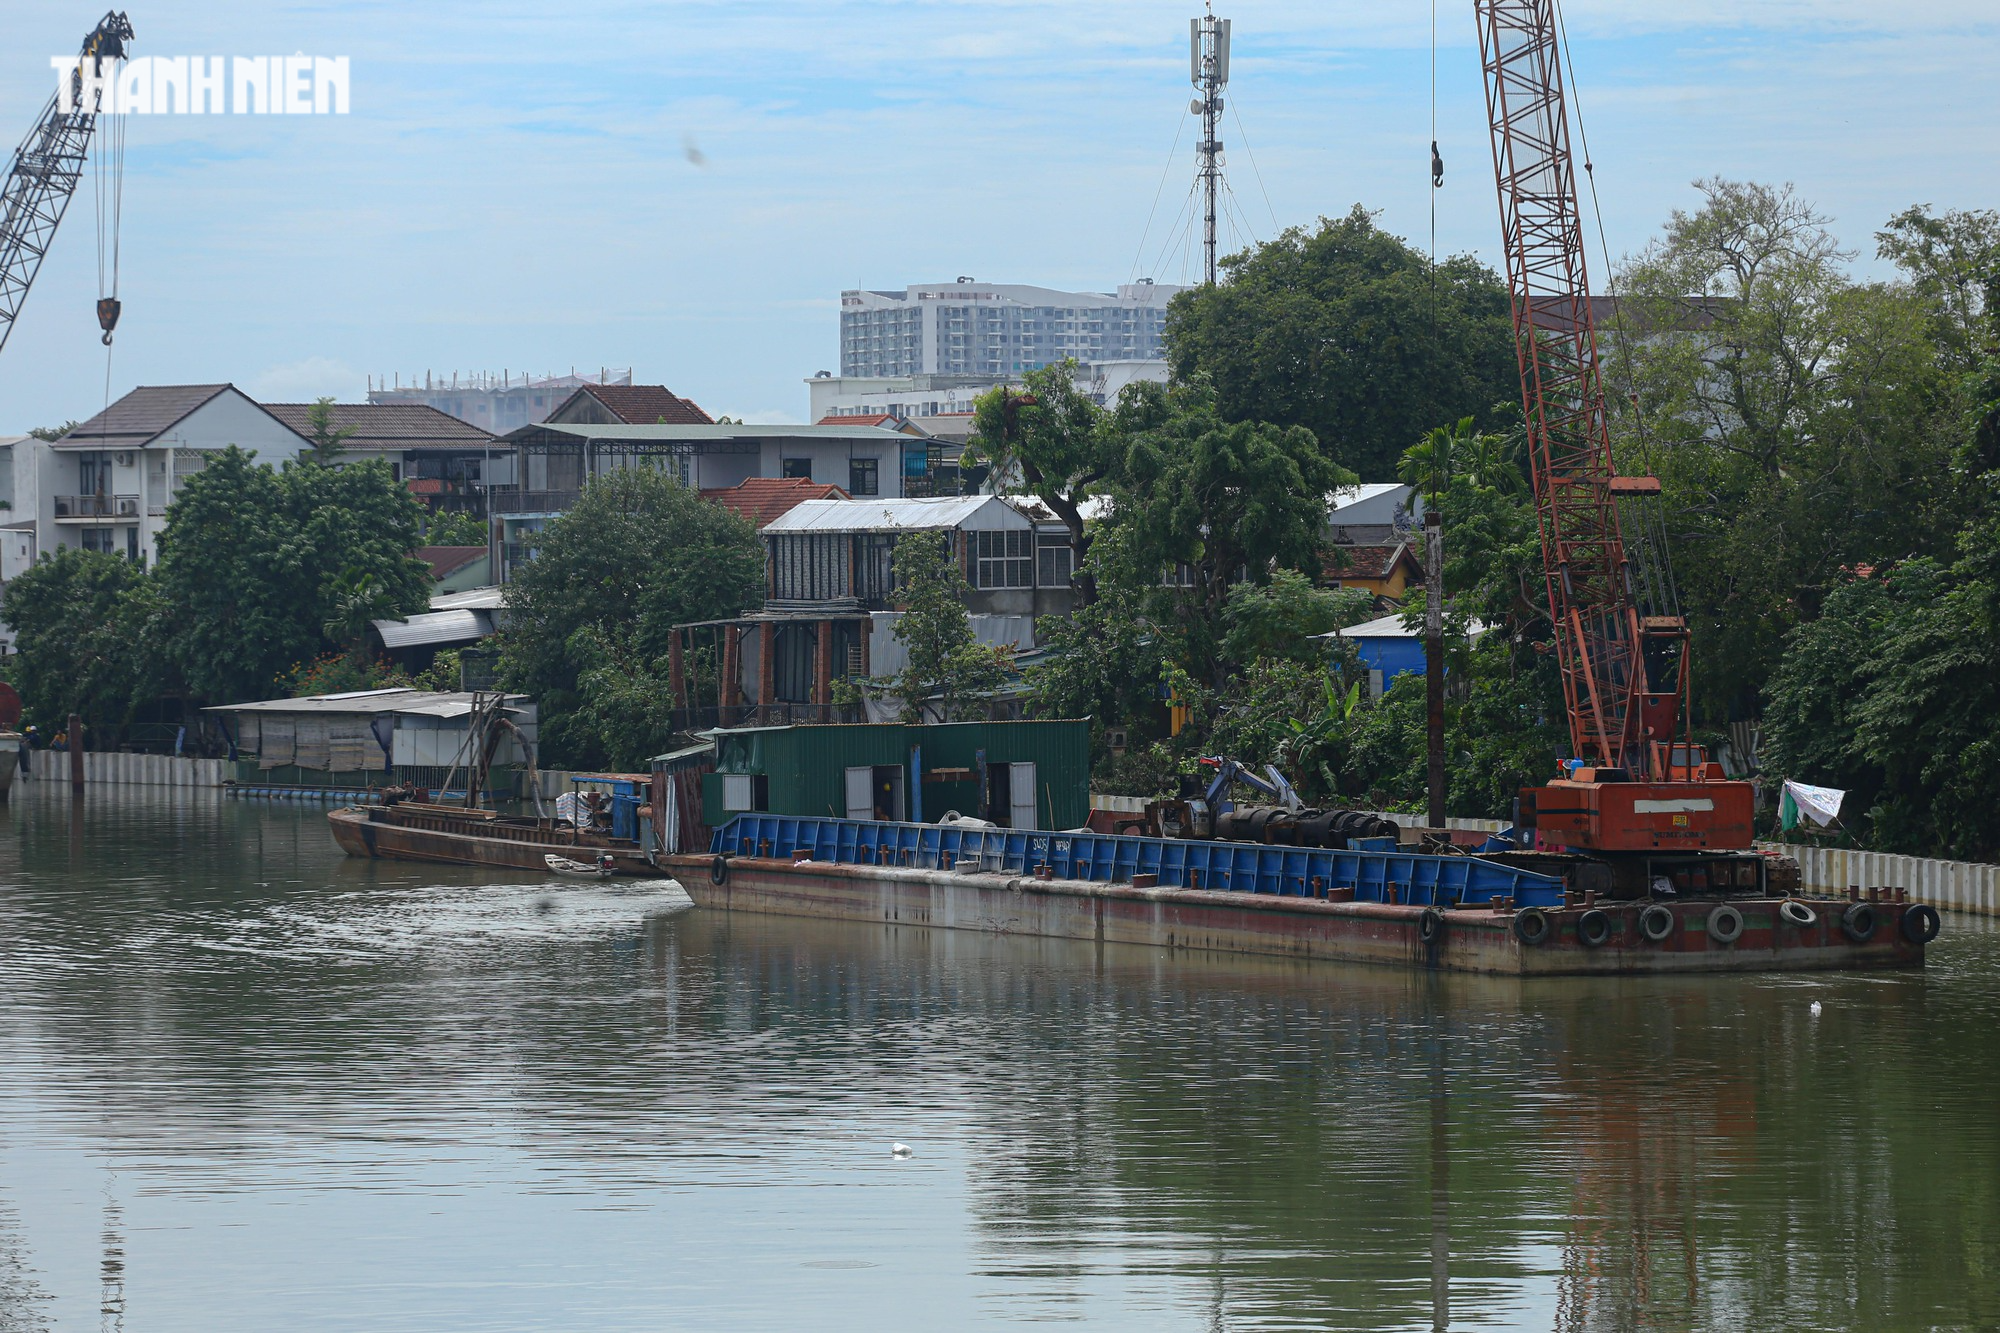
970	767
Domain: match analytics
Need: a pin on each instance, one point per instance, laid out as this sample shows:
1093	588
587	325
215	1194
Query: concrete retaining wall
147	770
1959	885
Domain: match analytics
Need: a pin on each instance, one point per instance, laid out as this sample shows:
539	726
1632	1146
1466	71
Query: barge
1369	902
451	835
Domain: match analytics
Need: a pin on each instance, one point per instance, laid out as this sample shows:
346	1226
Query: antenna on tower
1208	68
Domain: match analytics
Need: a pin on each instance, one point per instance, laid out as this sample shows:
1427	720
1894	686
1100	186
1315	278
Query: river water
246	1083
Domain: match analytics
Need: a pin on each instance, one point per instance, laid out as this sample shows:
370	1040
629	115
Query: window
745	791
862	476
98	539
798	468
1053	558
1004	559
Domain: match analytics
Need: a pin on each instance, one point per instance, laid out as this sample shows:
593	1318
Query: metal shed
1017	774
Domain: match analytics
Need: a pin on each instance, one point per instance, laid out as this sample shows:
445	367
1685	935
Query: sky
686	189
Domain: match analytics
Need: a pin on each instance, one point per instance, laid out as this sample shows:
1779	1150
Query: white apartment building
921	398
997	329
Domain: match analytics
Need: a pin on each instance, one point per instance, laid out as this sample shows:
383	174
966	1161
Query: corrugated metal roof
367	703
1389	627
429	627
1354	495
961	511
489	598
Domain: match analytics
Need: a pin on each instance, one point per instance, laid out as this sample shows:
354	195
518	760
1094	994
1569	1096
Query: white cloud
304	381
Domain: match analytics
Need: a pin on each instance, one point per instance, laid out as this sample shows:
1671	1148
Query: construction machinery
46	168
1639	798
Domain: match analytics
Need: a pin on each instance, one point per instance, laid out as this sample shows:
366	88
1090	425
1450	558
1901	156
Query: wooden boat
449	835
562	865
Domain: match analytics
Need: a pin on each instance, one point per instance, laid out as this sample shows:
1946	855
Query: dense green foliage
256	562
449	527
73	614
260	569
949	672
589	615
1349	332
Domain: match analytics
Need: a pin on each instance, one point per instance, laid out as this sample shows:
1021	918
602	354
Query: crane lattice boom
1597	624
44	173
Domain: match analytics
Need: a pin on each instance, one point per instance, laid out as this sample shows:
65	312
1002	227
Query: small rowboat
562	865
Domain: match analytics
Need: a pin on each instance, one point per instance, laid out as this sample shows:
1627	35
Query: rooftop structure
498	403
760	500
629	405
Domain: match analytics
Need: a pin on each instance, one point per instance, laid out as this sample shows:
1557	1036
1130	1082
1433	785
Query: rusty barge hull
1473	939
460	838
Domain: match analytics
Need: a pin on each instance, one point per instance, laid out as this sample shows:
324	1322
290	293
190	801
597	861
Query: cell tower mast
1208	67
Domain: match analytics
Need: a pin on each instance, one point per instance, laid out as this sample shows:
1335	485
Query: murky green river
247	1084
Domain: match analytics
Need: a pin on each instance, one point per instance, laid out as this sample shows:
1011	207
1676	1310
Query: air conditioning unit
123	458
128	506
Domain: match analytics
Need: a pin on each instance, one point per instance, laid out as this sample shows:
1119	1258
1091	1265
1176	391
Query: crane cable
108	167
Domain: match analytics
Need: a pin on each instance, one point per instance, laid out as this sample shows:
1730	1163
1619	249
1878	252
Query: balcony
96	508
509	501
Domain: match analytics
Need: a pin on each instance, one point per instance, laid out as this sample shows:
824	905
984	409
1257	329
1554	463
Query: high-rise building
997	329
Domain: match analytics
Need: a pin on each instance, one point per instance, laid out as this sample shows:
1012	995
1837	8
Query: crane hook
108	309
1437	167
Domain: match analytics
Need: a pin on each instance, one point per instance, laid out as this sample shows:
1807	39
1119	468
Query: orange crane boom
1636	783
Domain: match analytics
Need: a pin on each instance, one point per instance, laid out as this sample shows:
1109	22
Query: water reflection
231	1058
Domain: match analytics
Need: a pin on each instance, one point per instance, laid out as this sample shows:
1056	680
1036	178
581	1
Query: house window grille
1004	559
1054	561
863	477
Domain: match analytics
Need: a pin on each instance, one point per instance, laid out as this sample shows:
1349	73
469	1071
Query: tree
80	643
1949	259
590	615
1055	439
1278	620
52	433
328	441
1221	502
356	599
1799	421
451	527
1349	332
946	662
252	559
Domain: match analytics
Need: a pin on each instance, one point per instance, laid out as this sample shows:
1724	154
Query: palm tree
356	599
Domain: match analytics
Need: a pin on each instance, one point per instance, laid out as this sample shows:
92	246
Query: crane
1636	784
44	174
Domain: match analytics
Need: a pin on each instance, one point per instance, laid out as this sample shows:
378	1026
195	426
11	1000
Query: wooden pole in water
75	754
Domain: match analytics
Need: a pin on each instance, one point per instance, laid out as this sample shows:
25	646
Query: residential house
445	462
628	405
1388	648
456	568
20	460
1386	569
762	499
554	460
106	484
830	599
1373	512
